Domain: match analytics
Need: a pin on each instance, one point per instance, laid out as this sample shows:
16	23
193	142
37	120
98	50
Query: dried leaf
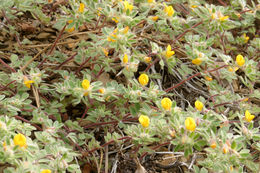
140	168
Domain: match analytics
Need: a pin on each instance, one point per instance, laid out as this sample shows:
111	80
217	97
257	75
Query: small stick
106	159
20	118
189	78
7	66
3	88
36	56
54	45
188	30
67	60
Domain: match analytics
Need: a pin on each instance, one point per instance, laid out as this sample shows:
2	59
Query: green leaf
234	145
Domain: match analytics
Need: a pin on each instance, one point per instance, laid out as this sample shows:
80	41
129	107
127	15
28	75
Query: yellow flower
144	120
128	6
105	51
81	7
197	61
172	133
102	90
115	19
125	59
113	35
166	103
20	140
150	1
155	18
199	105
85	84
110	39
213	16
169	51
99	10
208	78
238	15
46	171
240	60
50	1
71	29
143	79
248	116
70	21
190	124
225	149
168	10
246	38
126	30
27	82
147	59
232	69
213	145
4	146
223	18
194	6
245	99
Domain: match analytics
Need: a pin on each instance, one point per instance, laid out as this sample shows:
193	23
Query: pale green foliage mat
92	85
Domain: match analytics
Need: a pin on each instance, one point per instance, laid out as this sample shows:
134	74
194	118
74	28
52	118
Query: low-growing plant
143	74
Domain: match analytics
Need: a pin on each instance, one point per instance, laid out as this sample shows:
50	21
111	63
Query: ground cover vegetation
129	86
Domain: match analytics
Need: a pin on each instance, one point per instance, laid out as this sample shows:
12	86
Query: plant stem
189	78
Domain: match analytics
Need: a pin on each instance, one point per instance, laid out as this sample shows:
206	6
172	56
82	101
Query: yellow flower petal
240	60
115	19
190	124
143	79
46	171
20	140
126	30
85	84
147	59
208	78
169	51
144	120
199	105
71	29
213	145
105	51
128	6
168	10
197	61
223	18
125	59
248	116
166	103
246	38
102	90
225	149
81	7
155	18
27	82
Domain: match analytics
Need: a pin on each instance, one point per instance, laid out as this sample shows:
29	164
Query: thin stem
151	64
54	45
3	88
67	60
7	66
22	119
189	78
106	144
154	148
81	66
188	30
